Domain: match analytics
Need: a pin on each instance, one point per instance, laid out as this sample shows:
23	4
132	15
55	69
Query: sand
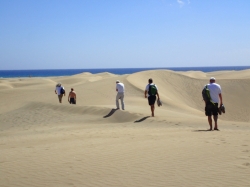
45	144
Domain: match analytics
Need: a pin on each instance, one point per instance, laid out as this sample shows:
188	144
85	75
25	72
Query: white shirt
58	90
120	87
215	90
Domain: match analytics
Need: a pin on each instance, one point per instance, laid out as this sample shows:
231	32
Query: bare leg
60	98
209	118
152	110
215	122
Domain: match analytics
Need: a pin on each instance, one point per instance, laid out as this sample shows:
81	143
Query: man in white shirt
120	94
211	108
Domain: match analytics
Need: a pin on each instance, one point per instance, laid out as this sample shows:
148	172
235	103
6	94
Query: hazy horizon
217	68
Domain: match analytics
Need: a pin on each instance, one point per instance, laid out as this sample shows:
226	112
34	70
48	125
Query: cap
117	81
212	78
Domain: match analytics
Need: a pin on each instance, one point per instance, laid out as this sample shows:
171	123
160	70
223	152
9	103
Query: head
212	80
117	81
72	89
150	80
58	84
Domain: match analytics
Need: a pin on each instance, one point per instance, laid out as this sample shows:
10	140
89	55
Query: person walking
120	94
60	91
72	96
151	92
211	107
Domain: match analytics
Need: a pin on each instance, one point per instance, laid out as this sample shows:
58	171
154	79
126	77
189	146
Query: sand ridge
44	143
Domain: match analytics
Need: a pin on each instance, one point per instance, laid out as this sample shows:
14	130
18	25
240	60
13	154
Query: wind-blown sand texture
47	144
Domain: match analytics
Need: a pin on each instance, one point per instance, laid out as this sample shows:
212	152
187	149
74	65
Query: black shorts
211	109
72	101
151	100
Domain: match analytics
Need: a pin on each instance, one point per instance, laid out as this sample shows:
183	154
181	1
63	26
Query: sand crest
44	143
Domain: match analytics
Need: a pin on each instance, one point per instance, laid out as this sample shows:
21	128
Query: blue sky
63	34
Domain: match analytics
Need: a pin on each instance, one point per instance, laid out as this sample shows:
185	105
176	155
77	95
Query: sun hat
58	84
117	81
212	78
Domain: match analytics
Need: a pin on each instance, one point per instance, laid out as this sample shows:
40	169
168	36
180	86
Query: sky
82	34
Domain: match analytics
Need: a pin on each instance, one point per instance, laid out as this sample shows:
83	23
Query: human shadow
111	113
208	130
142	119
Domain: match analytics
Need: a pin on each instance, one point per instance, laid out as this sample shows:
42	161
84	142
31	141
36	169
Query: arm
220	96
158	96
157	93
55	92
145	93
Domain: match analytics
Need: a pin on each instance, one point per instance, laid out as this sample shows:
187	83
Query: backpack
62	91
206	94
152	90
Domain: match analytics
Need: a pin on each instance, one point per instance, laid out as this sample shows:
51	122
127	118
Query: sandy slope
44	143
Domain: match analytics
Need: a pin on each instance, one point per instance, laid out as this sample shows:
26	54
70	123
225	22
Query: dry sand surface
47	144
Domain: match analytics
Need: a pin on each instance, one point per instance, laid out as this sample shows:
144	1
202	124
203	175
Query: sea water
118	71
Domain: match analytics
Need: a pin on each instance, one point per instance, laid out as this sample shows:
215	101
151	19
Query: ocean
118	71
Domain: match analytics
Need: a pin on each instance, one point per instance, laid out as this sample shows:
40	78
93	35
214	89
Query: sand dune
44	143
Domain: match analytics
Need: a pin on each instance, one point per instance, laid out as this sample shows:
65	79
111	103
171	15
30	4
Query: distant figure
120	94
60	91
151	92
211	107
72	97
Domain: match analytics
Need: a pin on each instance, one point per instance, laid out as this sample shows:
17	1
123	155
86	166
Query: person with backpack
151	92
211	94
60	91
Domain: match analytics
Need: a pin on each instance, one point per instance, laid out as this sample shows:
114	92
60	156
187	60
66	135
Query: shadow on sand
202	130
110	113
142	119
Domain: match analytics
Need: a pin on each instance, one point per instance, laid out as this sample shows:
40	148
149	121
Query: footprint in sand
246	164
246	151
